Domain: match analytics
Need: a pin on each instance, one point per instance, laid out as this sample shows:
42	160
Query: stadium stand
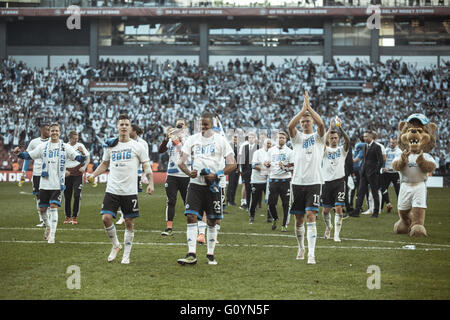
245	94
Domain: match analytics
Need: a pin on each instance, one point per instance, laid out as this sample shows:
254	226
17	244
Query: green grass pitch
254	262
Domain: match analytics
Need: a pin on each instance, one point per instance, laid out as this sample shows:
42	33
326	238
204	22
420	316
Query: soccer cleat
336	238
41	225
243	207
327	234
211	260
167	232
113	253
367	212
301	254
125	260
46	233
190	258
389	207
51	239
252	219
201	238
274	224
67	220
121	220
283	229
345	215
74	220
311	260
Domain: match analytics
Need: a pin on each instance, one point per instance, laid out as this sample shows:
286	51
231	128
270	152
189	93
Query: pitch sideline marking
223	245
242	234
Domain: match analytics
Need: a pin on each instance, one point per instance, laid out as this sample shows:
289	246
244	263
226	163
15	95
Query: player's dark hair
55	124
123	116
207	115
43	125
284	134
334	132
138	129
72	133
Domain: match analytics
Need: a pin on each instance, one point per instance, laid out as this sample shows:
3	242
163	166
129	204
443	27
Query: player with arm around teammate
54	154
123	157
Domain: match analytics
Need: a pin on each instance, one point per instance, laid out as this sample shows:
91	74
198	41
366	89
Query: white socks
128	242
53	221
300	234
191	234
211	238
39	211
337	224
311	236
112	234
201	227
326	218
45	218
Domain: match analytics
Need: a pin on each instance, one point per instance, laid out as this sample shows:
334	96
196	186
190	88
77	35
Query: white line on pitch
222	245
241	234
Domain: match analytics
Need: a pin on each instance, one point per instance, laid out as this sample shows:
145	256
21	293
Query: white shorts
412	195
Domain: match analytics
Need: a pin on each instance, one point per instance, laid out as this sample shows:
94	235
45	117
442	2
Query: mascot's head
417	134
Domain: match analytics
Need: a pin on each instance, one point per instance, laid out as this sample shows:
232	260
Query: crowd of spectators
245	94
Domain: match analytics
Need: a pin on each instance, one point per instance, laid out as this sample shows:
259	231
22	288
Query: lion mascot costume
416	139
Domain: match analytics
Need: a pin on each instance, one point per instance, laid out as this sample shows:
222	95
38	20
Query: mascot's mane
428	129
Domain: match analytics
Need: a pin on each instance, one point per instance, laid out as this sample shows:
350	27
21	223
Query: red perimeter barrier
14	176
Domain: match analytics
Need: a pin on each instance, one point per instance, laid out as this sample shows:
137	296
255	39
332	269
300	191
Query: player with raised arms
308	147
122	156
333	191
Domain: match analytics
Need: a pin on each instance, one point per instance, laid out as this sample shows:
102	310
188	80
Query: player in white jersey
37	166
333	191
122	156
307	179
388	175
207	149
135	134
54	154
279	163
177	180
74	181
259	176
413	166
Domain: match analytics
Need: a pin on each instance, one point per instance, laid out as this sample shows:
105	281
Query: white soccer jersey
174	156
412	173
52	182
124	160
391	154
259	157
308	154
334	163
37	164
145	144
277	155
206	153
73	163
